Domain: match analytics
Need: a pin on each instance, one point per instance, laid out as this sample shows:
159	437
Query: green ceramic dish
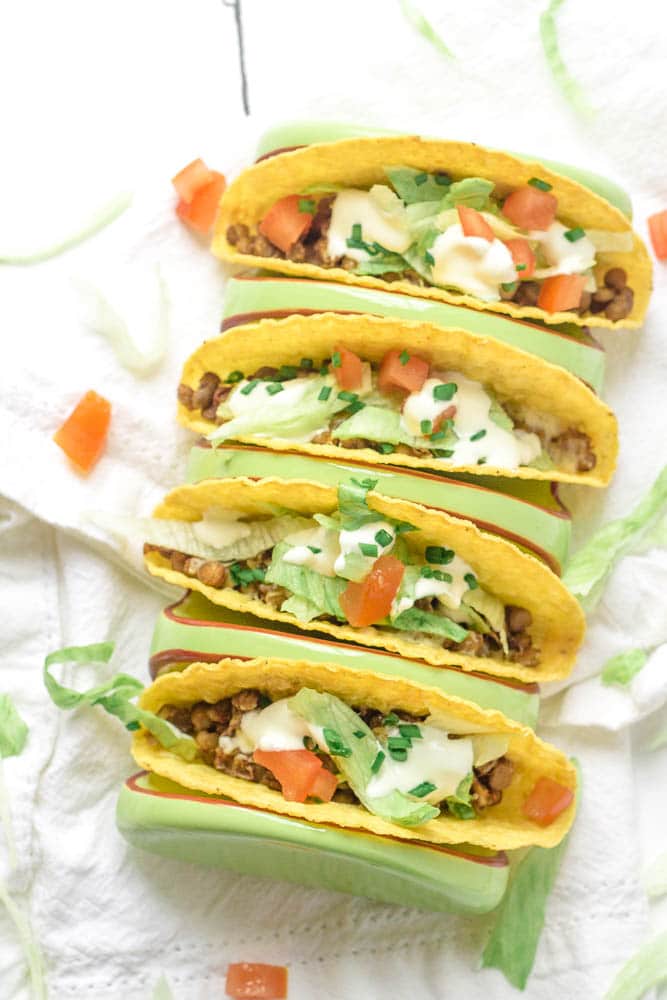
194	630
157	815
526	513
289	135
248	299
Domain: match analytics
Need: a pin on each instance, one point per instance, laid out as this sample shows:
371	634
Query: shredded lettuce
13	730
488	614
605	241
162	990
498	415
459	803
301	608
105	321
321	592
654	877
566	83
360	752
29	944
183	537
375	423
475	192
588	569
115	696
542	461
416	620
512	946
354	510
646	969
620	669
383	263
411	192
104	217
425	28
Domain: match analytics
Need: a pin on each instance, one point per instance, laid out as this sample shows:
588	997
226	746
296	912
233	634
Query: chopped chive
391	720
335	745
574	234
425	788
234	376
287	371
356	406
410	730
349	397
429	258
314	549
520	267
132	726
325	392
402	526
324	370
306	205
377	763
274	388
443	577
471	580
247	389
400	755
426	426
383	538
438	436
258	574
368	549
335	359
421	179
444	391
386	448
426	572
481	461
358	733
306	363
478	435
399	743
539	184
443	179
509	286
264	702
438	554
356	232
443	452
404	357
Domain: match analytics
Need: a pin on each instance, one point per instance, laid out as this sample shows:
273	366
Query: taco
400	394
361	751
444	220
367	569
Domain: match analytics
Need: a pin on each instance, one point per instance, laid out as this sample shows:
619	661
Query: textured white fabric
117	96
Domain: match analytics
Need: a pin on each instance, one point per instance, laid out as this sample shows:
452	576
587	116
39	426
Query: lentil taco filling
461	235
398	765
401	405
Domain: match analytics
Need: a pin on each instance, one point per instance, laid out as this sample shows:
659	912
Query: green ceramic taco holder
528	514
159	816
194	630
251	298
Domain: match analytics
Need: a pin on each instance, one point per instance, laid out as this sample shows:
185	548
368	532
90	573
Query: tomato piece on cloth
547	801
83	435
370	601
523	257
200	213
561	292
657	228
473	223
296	770
256	981
348	368
530	208
284	223
190	179
401	370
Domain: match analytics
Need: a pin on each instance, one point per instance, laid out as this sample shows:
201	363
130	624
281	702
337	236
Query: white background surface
101	97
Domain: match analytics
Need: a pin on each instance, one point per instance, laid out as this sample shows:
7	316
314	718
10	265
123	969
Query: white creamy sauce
448	593
435	758
497	446
353	207
350	542
564	256
220	527
471	263
321	538
275	727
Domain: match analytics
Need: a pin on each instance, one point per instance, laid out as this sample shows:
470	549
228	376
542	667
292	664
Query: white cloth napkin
124	100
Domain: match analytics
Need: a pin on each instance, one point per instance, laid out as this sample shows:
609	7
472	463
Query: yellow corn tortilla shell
514	375
510	574
502	827
360	163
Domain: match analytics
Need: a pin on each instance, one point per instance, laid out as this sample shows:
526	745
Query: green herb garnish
274	388
377	763
287	371
383	538
306	205
429	258
386	448
335	745
443	452
471	580
335	359
444	391
235	376
349	397
509	286
539	184
478	435
314	549
404	357
398	743
438	554
368	549
410	731
397	754
306	363
247	389
425	788
574	234
391	720
325	392
426	426
420	178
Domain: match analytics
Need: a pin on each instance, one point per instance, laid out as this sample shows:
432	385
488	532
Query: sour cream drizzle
471	263
359	208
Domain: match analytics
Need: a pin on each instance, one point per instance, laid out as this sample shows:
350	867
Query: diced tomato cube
284	224
530	208
324	785
561	292
473	223
190	179
200	213
83	435
349	373
256	981
400	370
657	227
547	801
523	257
370	601
296	770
